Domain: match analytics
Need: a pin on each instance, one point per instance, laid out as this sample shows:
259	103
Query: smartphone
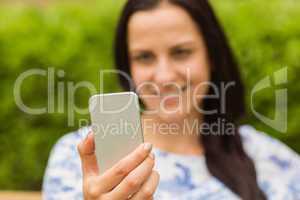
116	123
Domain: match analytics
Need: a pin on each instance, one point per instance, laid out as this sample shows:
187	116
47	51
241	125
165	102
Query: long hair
224	154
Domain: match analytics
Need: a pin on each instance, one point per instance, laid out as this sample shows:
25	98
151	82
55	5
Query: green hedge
78	38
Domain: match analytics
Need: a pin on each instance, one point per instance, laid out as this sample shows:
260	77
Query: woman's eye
181	53
145	58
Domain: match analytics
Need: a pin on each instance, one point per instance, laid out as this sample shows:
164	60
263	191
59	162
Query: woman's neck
181	137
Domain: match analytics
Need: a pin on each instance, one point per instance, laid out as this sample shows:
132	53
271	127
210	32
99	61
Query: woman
178	58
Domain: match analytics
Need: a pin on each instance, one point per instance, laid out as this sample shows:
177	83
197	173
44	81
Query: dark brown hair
224	154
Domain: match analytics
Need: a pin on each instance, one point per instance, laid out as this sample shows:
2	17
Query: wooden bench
15	195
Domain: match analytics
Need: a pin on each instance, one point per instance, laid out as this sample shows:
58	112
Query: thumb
86	149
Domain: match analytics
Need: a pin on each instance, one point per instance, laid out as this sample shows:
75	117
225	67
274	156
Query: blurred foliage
77	38
266	38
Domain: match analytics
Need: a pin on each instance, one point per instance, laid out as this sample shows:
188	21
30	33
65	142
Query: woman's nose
165	73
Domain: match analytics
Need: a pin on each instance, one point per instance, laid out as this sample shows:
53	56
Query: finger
149	187
86	149
133	180
113	176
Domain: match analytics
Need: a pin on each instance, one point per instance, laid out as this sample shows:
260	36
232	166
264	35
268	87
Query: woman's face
168	61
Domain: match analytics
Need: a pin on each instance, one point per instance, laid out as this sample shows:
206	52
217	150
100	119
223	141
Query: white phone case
117	126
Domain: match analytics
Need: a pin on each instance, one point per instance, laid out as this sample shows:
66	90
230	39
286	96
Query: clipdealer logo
56	101
279	122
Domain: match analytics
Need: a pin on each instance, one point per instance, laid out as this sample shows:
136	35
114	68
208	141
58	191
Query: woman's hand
132	177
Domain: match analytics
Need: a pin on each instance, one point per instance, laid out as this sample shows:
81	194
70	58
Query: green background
77	38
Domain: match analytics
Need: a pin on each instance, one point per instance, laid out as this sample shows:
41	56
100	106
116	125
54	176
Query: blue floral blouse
184	177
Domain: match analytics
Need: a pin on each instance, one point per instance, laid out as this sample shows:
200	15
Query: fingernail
87	136
148	146
152	156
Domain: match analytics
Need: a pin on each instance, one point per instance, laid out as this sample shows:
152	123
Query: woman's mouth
171	98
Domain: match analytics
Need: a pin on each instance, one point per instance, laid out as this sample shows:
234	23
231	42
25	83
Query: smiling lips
172	98
173	93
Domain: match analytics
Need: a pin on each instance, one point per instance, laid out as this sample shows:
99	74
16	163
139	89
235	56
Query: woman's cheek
200	85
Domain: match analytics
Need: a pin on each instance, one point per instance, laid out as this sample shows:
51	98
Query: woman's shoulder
73	138
62	176
277	165
260	145
66	146
251	135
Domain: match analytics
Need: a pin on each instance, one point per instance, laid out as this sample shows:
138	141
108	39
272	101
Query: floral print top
184	177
